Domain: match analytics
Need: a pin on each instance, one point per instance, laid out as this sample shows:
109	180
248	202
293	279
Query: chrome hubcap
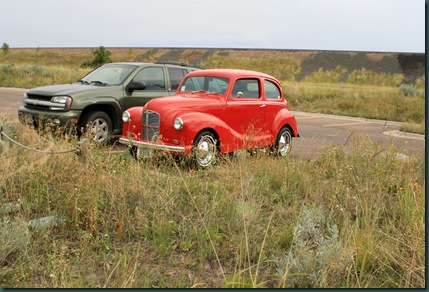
284	143
206	151
99	130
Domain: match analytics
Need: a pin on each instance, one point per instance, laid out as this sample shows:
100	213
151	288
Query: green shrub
101	56
5	48
317	254
410	90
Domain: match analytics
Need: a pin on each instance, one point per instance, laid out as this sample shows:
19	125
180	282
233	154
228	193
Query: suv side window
176	75
271	90
153	77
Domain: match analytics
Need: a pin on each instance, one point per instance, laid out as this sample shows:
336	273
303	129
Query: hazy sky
345	25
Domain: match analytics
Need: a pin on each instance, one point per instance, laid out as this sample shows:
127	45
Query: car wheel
283	142
204	149
98	124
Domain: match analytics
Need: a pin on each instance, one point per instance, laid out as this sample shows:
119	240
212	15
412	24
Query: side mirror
136	85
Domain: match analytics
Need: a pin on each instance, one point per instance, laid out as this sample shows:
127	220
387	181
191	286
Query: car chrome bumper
152	145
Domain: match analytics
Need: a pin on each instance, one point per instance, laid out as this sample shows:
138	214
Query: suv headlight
178	124
126	117
64	103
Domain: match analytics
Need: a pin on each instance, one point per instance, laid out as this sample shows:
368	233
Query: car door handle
263	105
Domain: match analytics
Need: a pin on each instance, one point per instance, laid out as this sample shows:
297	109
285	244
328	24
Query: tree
5	48
101	56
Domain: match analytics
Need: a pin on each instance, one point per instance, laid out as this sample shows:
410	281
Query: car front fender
194	123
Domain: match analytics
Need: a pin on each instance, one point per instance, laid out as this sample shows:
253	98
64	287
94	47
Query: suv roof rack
178	64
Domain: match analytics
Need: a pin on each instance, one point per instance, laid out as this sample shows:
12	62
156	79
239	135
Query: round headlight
126	117
178	124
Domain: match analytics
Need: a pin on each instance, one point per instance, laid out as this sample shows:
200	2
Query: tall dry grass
354	218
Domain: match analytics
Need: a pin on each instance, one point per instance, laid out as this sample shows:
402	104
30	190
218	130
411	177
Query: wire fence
3	134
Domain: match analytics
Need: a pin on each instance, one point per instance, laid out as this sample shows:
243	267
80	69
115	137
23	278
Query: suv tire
99	126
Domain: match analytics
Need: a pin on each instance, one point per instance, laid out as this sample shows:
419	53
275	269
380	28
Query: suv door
155	79
175	75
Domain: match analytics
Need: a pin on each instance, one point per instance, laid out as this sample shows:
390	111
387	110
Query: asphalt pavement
317	131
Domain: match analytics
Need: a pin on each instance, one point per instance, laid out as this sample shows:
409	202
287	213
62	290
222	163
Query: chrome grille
150	126
37	102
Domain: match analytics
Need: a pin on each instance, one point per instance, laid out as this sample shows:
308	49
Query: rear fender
283	118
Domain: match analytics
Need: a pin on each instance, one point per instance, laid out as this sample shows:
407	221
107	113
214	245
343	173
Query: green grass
352	218
366	101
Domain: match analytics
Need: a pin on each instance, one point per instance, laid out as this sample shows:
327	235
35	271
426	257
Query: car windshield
207	84
110	74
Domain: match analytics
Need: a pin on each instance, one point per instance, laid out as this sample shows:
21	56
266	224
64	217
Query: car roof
156	63
229	73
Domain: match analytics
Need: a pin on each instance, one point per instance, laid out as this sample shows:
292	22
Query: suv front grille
37	102
150	126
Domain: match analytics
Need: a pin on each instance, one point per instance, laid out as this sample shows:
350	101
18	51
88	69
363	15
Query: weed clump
317	255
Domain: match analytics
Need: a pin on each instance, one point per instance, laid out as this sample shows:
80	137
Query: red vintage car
213	111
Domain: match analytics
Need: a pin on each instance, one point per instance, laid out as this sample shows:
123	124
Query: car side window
176	75
153	77
271	90
246	88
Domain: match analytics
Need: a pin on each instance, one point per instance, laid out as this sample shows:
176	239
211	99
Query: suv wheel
98	124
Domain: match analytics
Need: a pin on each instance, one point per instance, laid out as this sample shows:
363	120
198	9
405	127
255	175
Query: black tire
283	142
98	125
204	150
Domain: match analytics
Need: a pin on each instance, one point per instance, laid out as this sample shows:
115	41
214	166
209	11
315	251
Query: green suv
95	103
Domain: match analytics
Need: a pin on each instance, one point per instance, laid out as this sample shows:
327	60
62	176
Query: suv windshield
111	74
208	84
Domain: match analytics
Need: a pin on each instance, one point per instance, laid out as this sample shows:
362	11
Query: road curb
397	133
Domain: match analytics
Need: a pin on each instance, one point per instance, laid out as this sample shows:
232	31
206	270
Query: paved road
317	130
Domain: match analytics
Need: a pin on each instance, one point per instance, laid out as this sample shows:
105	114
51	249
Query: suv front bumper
38	119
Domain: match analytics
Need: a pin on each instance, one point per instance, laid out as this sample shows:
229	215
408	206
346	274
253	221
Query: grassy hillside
412	66
369	85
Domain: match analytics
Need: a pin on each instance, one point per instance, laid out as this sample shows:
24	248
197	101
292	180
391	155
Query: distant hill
412	65
296	64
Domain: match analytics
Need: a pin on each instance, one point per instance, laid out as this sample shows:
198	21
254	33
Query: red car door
245	114
274	104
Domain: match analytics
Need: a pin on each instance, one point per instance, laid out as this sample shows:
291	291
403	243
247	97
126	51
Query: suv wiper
83	81
99	82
